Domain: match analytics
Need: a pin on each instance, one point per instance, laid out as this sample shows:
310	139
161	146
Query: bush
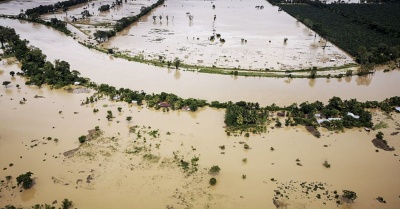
379	135
214	169
82	139
213	181
326	164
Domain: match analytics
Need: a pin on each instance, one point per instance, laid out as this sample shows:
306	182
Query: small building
352	115
329	120
397	109
164	104
281	114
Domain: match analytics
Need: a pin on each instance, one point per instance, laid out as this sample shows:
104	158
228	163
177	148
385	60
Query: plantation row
363	34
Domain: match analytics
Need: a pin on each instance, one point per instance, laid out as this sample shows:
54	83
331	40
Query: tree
350	195
25	180
119	109
66	204
12	73
101	35
109	115
129	118
5	33
379	135
82	139
5	83
177	62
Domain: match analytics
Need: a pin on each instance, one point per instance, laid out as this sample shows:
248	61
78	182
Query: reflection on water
177	74
28	194
312	82
364	80
348	79
102	68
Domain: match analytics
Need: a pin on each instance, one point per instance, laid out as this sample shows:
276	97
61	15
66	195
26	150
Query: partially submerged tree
350	195
66	204
25	180
177	62
5	83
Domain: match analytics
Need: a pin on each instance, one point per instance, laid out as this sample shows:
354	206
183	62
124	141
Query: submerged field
140	157
121	169
263	32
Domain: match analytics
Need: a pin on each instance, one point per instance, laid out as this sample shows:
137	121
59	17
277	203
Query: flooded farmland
138	163
254	38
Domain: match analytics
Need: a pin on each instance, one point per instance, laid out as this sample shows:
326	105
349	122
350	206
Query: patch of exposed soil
382	144
314	131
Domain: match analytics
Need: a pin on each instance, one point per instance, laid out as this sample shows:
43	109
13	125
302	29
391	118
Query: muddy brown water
103	68
123	180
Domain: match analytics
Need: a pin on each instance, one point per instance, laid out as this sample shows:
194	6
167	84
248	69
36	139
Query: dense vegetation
163	100
52	8
34	64
369	32
242	116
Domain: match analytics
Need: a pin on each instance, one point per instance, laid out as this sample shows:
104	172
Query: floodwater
121	180
99	20
103	68
263	32
14	7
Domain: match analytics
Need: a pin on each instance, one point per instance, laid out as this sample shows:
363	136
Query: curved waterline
102	68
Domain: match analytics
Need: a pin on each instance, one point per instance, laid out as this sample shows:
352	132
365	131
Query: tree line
34	64
44	9
39	71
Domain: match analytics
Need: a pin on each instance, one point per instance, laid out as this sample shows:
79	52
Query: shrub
82	139
214	169
326	164
379	135
213	181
